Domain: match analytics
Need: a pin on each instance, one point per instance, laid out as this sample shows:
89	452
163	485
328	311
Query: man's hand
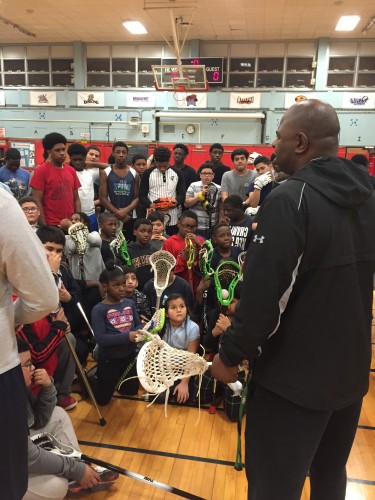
194	238
65	224
262	180
222	372
60	316
64	295
133	335
90	478
41	377
223	322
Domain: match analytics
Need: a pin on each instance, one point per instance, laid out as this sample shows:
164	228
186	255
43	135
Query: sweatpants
285	442
47	486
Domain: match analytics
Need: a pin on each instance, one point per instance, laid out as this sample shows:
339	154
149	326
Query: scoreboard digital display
214	66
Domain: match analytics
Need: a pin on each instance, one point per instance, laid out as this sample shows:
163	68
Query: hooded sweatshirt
306	304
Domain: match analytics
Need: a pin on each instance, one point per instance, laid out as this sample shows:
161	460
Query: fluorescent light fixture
347	23
135	27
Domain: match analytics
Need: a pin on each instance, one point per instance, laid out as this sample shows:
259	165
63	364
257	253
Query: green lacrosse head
205	257
226	277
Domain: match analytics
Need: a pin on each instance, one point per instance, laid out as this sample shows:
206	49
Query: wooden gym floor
197	458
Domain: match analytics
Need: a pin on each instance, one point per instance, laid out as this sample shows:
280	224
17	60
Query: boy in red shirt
55	184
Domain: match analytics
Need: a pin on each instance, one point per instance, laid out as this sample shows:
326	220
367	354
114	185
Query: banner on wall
358	100
2	98
295	97
190	100
42	98
244	100
140	99
90	99
27	150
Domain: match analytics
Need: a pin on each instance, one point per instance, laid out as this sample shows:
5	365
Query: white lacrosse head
160	365
162	263
79	234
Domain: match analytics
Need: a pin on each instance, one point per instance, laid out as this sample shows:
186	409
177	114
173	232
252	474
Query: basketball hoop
180	78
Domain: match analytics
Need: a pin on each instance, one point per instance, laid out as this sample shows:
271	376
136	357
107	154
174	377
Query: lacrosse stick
119	246
79	234
83	377
241	262
159	366
162	263
226	276
50	443
85	318
155	324
191	258
204	259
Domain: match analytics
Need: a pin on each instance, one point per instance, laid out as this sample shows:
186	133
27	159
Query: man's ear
302	143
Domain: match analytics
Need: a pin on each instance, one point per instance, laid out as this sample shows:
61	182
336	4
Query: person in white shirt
24	271
237	181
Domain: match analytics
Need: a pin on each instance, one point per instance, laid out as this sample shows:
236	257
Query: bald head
309	129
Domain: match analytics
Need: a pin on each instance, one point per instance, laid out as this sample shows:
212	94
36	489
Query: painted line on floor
189	457
158	453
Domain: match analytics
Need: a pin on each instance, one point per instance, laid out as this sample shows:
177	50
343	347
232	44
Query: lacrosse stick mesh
79	234
205	257
226	277
191	258
159	366
241	262
162	263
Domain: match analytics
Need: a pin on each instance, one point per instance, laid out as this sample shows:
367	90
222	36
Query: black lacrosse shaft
143	479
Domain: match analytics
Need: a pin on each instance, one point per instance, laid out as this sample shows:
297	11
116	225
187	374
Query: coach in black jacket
306	307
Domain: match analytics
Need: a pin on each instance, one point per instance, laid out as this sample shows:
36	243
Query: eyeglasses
188	226
29	365
207	173
31	209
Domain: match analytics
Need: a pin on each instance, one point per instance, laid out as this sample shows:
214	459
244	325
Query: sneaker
68	403
107	479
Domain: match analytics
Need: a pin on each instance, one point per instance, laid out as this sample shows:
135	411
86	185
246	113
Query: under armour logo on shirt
258	238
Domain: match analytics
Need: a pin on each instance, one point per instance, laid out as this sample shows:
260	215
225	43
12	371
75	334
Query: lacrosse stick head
155	324
241	262
79	233
48	442
205	257
160	365
162	263
226	277
191	257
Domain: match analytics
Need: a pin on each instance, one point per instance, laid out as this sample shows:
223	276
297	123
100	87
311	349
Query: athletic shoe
107	479
68	403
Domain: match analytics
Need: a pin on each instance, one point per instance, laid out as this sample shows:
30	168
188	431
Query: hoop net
226	276
162	263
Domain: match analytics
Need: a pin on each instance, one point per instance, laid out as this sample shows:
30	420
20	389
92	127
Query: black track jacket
308	288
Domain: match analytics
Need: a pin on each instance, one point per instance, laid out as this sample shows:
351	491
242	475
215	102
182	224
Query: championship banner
356	100
291	99
244	100
190	100
42	98
140	100
2	98
90	99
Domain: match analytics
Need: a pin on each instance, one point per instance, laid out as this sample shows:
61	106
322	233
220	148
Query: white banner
244	100
140	99
291	99
358	100
2	98
90	99
190	100
42	98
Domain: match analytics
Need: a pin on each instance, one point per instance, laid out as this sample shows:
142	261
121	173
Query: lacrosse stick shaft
142	479
85	318
102	420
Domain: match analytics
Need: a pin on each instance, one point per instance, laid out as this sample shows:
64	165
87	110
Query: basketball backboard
180	78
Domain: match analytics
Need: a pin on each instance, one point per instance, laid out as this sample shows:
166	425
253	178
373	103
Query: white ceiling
101	20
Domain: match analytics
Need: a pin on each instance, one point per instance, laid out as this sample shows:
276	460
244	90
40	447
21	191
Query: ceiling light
135	27
347	23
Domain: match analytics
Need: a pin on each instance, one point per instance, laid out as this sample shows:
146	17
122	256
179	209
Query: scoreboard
214	66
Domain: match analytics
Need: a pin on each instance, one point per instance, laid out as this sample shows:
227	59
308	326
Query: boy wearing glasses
202	198
31	210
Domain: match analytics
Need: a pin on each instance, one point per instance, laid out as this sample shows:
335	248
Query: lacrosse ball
224	294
